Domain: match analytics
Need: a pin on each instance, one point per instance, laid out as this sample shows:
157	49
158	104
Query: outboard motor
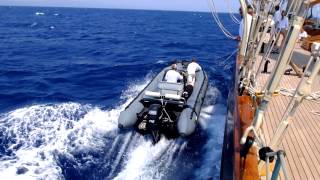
154	121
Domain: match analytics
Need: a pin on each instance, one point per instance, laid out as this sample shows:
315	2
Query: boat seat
170	88
157	95
152	94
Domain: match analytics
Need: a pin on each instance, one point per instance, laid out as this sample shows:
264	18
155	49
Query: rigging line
224	60
227	55
217	17
231	54
275	37
224	30
233	17
218	22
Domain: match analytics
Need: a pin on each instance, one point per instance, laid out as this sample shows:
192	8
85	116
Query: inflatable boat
164	108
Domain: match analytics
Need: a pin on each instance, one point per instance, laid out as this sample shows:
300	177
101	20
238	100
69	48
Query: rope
315	112
224	60
315	97
228	56
232	16
217	20
290	92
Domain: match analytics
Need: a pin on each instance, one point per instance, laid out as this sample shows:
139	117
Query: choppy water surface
66	74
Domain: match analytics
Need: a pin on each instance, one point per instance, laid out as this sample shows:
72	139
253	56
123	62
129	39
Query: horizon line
83	7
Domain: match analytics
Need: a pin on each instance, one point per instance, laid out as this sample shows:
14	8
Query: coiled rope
315	96
217	20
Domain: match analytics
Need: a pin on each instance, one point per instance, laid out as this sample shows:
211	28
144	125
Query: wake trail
38	141
167	157
121	151
143	159
56	140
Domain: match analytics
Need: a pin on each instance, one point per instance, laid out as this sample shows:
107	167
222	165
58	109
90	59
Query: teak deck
302	139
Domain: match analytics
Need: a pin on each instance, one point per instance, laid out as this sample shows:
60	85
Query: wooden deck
302	139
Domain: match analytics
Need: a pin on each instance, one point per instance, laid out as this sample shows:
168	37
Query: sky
181	5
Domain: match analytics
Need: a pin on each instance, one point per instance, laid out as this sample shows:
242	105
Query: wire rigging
217	20
232	16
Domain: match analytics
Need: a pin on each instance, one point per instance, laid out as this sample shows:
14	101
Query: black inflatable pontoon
162	108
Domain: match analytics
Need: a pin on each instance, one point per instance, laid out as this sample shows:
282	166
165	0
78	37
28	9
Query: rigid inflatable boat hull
187	116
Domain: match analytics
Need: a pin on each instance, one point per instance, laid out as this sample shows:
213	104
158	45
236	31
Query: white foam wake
147	161
36	133
212	121
39	13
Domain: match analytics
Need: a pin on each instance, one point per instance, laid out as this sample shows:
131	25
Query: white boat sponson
152	94
172	96
167	96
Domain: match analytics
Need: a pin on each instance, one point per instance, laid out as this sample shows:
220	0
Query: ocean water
66	74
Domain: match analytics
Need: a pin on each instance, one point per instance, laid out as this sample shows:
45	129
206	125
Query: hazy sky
186	5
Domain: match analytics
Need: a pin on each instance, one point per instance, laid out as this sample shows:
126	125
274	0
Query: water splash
45	141
39	13
148	161
33	137
160	161
212	121
161	61
34	24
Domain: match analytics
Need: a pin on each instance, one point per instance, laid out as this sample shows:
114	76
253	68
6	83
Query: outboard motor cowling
153	117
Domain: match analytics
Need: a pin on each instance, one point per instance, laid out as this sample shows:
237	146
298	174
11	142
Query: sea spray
35	137
212	120
162	160
144	158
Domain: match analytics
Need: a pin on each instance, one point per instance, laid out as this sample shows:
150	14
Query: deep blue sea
66	74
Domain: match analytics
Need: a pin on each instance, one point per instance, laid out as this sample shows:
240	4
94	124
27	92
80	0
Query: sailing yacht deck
302	139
